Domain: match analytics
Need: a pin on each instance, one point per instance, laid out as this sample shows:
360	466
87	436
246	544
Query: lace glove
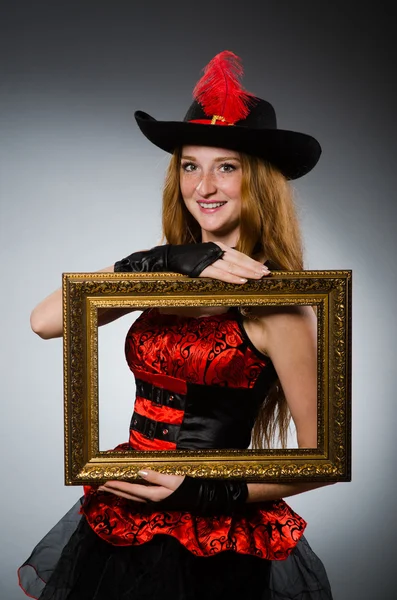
188	259
206	497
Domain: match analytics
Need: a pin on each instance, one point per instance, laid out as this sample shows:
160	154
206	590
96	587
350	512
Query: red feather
220	92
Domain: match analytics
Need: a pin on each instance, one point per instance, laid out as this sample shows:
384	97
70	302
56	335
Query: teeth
211	204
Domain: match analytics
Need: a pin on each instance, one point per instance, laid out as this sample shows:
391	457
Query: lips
209	207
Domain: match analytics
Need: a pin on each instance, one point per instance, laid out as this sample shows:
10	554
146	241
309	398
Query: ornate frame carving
85	293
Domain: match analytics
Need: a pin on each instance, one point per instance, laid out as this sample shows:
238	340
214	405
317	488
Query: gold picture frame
85	293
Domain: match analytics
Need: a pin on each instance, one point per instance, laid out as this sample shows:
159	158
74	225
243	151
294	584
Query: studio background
80	188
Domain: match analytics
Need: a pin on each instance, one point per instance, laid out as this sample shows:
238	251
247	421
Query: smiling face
210	182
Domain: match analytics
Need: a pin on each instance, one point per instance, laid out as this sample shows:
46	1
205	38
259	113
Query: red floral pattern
268	530
207	350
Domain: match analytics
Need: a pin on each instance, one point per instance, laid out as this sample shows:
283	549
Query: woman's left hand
160	487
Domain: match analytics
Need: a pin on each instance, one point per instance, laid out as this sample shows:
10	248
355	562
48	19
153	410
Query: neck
229	239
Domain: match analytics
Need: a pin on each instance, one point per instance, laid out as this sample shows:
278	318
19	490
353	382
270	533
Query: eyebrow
219	159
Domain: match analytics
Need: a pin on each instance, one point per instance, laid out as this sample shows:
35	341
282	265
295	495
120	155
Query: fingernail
143	473
243	280
265	269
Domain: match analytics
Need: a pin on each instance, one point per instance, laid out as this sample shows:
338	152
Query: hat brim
293	153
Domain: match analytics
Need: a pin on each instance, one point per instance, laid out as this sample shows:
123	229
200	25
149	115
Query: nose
206	185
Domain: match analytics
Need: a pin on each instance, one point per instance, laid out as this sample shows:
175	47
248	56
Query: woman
202	375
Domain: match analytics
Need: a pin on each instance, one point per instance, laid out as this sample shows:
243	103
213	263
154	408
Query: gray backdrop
80	189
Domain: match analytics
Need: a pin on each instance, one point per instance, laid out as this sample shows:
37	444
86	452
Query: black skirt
73	563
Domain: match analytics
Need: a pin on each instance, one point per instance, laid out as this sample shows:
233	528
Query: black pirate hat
224	115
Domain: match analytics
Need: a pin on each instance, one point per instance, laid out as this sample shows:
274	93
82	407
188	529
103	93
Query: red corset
200	383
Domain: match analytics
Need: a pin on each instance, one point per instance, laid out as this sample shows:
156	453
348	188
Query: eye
227	168
189	167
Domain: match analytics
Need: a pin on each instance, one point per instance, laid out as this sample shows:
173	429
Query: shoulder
273	329
275	317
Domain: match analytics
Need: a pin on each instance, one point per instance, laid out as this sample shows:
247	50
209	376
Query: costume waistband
154	429
159	395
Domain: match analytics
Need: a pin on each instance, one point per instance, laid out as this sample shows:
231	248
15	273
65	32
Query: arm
263	492
46	318
194	259
289	336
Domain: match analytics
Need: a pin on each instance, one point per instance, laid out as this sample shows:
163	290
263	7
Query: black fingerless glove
206	497
188	259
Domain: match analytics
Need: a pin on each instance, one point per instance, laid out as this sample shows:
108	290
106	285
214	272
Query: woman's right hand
234	267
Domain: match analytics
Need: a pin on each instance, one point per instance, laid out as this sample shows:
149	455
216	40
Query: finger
152	480
121	487
239	264
242	261
241	270
124	495
171	482
243	258
125	486
216	273
137	490
153	493
223	274
234	251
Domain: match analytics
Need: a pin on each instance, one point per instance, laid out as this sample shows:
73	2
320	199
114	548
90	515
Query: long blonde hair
269	228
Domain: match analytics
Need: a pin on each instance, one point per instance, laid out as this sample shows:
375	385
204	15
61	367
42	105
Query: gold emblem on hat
216	118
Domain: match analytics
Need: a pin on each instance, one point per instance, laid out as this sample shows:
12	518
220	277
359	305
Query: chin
222	232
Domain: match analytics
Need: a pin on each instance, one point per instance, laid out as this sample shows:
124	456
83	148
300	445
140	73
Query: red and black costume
199	385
